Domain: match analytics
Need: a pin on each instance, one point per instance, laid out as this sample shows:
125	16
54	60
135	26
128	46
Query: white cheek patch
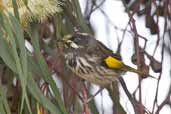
74	45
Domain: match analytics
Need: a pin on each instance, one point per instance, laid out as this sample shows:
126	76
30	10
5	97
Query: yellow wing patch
113	63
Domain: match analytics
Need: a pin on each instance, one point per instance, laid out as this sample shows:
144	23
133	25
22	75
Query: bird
91	60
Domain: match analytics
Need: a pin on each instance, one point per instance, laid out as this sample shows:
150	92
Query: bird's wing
107	51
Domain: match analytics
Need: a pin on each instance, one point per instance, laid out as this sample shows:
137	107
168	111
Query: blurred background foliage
34	80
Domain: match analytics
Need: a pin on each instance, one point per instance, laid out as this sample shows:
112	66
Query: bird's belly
97	77
95	73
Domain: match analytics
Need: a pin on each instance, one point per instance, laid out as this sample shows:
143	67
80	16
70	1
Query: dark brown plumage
89	59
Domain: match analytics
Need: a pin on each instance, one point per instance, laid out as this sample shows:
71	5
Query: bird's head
77	41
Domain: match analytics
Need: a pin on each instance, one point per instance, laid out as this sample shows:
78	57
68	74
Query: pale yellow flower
38	9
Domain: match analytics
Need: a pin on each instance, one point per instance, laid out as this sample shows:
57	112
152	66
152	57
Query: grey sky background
106	33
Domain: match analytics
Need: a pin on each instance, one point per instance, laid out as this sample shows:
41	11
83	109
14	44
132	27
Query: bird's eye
77	40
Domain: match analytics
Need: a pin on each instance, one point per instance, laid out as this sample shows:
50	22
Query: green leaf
44	68
38	95
12	28
5	54
4	107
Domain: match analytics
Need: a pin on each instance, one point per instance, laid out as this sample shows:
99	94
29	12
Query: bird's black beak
60	43
65	38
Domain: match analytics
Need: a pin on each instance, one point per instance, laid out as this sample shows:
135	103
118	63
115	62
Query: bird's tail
141	73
